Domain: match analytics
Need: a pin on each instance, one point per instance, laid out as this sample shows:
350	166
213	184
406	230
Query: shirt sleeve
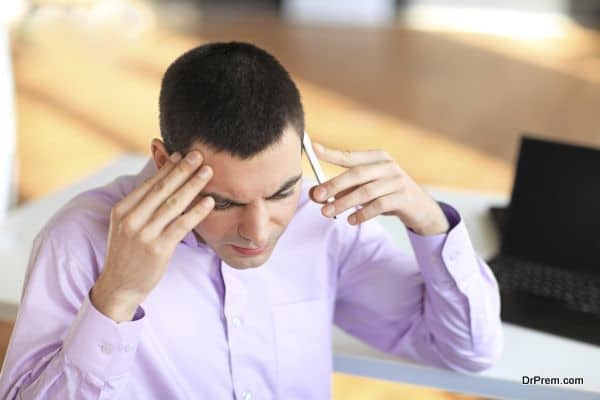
61	346
439	306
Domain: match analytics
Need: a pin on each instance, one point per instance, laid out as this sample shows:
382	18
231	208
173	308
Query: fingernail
204	172
192	157
175	156
320	193
318	146
329	209
352	219
208	202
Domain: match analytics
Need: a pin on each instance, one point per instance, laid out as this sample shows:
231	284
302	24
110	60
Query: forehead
260	175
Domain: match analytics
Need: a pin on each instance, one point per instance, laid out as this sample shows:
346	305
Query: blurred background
446	87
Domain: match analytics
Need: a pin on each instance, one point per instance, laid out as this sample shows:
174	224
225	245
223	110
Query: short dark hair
232	97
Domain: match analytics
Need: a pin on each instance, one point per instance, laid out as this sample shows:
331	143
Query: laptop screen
555	205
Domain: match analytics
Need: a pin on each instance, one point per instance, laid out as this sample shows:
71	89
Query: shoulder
79	229
337	234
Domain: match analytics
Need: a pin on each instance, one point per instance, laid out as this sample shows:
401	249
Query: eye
222	205
283	195
225	204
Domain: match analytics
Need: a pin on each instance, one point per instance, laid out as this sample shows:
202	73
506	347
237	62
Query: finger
164	188
349	159
361	195
176	204
181	226
354	177
374	208
338	195
134	197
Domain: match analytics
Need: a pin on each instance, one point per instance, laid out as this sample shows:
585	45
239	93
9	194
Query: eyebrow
286	185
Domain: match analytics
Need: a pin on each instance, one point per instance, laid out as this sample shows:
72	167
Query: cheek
213	227
287	210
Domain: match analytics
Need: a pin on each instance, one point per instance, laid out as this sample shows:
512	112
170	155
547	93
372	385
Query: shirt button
106	348
237	321
453	255
246	396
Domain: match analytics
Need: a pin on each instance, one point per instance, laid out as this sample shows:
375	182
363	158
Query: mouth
248	252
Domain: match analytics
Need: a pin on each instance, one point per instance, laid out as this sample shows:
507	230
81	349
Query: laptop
548	268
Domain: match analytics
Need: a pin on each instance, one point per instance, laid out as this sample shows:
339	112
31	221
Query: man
216	273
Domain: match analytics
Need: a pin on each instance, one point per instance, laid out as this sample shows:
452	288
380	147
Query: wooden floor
449	107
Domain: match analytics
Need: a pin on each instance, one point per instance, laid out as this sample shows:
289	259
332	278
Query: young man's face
256	183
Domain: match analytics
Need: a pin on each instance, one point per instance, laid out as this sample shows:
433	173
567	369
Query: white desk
527	352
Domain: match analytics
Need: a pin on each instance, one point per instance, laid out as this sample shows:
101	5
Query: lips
248	252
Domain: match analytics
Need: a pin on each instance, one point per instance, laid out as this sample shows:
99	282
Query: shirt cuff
101	346
446	258
451	214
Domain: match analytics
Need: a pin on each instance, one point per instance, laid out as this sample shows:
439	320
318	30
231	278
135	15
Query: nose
255	225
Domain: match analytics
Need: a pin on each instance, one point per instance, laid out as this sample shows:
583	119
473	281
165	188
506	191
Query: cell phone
314	163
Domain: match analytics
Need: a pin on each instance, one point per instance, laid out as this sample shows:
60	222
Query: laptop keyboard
579	291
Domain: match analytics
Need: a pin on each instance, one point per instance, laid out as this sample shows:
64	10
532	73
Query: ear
159	152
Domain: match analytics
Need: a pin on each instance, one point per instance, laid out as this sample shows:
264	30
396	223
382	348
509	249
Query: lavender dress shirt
209	331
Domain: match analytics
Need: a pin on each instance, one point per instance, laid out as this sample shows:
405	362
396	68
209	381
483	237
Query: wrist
434	226
115	305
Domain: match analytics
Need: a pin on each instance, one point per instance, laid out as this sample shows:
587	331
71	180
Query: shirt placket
239	336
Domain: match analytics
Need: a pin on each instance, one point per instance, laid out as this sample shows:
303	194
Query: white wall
516	5
9	9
